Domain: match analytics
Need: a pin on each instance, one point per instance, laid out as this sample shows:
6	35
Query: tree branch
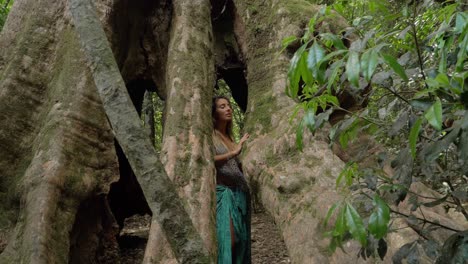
425	220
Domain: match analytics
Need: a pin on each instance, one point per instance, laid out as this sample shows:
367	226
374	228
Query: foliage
5	6
416	61
158	106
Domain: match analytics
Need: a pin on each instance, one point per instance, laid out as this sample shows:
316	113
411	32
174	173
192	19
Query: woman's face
223	110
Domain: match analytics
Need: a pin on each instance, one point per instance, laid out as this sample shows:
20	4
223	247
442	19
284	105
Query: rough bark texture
296	188
186	150
159	191
57	147
59	152
58	158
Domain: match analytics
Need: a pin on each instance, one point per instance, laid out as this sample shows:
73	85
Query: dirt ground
267	244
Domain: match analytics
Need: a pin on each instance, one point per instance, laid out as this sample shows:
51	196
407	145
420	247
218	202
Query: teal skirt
233	203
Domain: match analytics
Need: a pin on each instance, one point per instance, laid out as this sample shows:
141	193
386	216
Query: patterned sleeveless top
229	172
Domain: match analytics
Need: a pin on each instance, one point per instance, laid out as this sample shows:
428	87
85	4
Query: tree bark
159	191
73	159
148	111
186	150
57	147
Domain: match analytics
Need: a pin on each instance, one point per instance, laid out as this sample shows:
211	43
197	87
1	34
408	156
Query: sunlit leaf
443	80
355	225
312	23
286	41
306	74
294	74
461	22
352	68
316	54
309	120
379	219
369	62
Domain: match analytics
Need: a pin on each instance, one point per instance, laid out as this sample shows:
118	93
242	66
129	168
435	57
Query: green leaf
337	42
304	71
379	219
312	23
286	41
340	178
331	55
461	22
340	224
397	68
336	66
443	80
413	136
355	225
352	68
316	54
331	99
294	74
443	57
369	63
299	134
462	53
329	214
421	104
309	120
434	115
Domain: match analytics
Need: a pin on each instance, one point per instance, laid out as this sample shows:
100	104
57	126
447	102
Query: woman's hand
237	150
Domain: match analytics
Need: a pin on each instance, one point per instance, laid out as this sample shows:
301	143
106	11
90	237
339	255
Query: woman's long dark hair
213	113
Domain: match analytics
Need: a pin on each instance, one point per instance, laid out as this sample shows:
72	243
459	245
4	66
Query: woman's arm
222	158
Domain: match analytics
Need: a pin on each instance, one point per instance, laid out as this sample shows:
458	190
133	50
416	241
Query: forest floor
267	244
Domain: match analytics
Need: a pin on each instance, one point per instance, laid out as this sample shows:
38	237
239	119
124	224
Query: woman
232	191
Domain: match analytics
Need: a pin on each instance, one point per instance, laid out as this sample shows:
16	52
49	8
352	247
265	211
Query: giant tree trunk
297	188
62	177
59	151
